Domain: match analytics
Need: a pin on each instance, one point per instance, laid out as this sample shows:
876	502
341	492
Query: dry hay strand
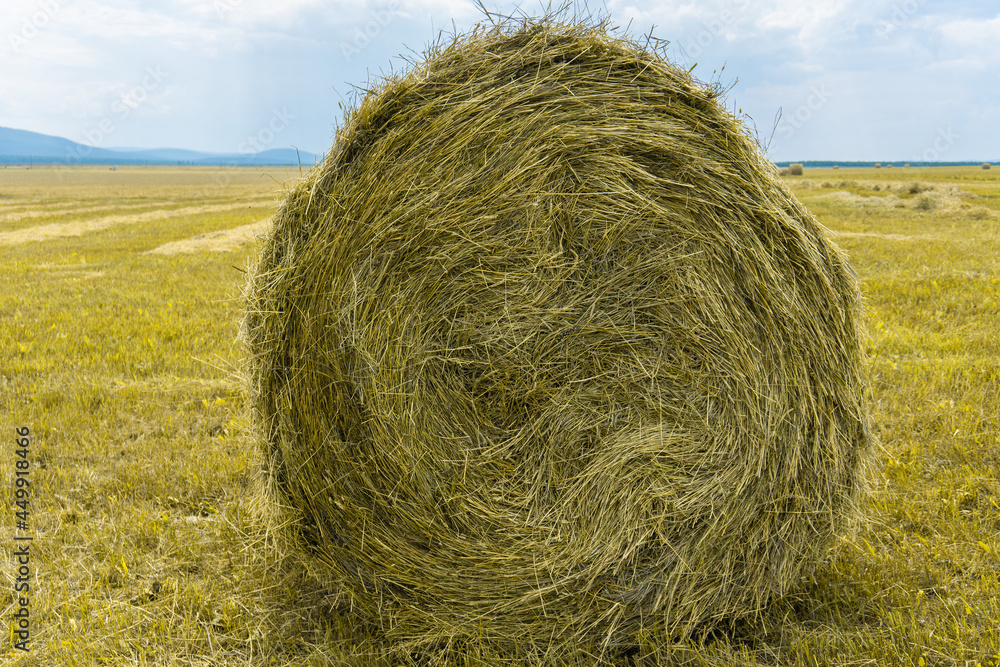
57	230
19	213
865	201
944	199
223	240
545	352
878	235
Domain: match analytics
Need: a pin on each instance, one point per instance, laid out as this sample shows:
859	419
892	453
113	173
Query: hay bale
986	165
544	351
836	166
878	165
795	169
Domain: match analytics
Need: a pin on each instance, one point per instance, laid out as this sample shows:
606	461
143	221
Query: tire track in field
222	240
81	227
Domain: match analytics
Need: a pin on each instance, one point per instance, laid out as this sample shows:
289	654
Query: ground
119	352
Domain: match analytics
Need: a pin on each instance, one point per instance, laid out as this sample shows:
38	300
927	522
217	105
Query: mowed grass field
121	309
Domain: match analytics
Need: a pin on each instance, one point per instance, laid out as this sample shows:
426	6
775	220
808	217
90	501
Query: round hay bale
544	351
986	165
796	169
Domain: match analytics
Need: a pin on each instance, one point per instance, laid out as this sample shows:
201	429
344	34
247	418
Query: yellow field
121	309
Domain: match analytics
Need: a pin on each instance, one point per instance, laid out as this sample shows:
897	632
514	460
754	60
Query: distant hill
21	146
820	164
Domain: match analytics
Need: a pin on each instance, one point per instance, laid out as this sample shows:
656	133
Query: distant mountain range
819	164
23	147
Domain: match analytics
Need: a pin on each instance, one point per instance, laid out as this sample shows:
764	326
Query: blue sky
888	80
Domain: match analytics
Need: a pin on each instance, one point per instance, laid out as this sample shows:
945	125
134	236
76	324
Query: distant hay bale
544	351
795	169
878	165
986	165
836	166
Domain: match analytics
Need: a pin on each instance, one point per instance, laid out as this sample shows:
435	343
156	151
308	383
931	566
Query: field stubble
121	357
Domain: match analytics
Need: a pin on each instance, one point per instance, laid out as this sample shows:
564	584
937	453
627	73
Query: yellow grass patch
72	271
143	438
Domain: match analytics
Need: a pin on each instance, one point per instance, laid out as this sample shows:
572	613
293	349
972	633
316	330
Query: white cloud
967	37
798	16
278	15
896	70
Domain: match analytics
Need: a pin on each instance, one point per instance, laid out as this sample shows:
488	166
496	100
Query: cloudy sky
888	80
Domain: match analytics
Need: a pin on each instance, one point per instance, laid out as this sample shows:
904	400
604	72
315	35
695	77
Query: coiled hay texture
544	350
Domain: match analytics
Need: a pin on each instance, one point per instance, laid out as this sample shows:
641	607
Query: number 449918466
22	487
